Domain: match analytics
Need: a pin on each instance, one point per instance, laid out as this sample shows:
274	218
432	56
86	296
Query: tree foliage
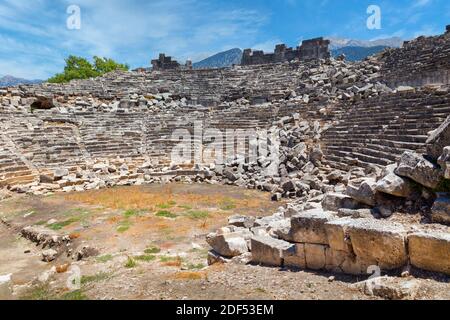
81	68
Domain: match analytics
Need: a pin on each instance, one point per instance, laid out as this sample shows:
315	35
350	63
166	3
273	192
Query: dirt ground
151	245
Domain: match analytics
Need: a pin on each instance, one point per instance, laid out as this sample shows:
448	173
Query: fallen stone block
395	185
444	162
365	193
49	255
430	251
380	241
229	245
214	257
309	227
335	201
241	221
438	139
440	212
390	288
269	251
419	169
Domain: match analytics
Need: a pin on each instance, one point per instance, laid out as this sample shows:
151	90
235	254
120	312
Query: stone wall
309	50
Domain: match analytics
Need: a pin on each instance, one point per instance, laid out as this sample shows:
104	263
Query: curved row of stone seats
425	60
208	87
46	144
379	130
13	170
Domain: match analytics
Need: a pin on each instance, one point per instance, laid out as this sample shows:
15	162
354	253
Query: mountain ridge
11	81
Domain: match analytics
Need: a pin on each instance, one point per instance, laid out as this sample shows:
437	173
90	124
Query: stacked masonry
319	240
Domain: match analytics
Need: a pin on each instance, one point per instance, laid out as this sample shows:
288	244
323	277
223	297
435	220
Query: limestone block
395	185
345	262
229	244
315	255
269	251
419	169
335	201
444	162
309	227
365	193
297	259
430	251
380	241
438	139
440	212
337	236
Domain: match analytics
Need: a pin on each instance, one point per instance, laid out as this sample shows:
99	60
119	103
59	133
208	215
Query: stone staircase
379	130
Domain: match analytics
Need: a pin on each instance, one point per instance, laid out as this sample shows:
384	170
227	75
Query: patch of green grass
94	278
40	223
152	250
203	253
130	263
198	266
170	258
123	226
146	258
166	214
132	213
74	295
185	207
41	292
227	204
196	214
105	258
59	225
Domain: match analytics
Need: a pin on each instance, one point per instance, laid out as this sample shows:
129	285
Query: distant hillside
357	53
10	81
221	60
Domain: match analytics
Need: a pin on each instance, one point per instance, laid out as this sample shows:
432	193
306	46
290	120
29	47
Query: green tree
81	68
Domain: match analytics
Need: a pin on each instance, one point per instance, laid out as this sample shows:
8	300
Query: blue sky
35	40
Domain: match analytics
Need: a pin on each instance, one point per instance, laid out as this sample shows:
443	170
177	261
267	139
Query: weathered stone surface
365	193
241	221
438	139
49	255
390	288
440	212
335	201
345	262
315	255
444	162
297	258
380	241
336	231
419	169
269	251
229	244
214	257
394	185
430	251
309	227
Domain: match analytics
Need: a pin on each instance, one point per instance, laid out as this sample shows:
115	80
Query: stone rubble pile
347	231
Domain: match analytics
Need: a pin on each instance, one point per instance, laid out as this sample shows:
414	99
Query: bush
81	68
